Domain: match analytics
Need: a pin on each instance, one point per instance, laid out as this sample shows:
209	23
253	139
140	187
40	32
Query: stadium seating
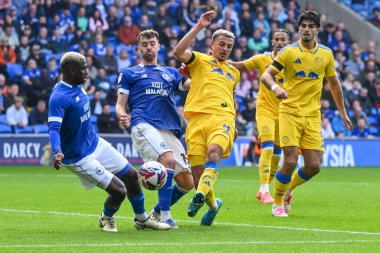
5	129
41	129
14	70
24	130
3	119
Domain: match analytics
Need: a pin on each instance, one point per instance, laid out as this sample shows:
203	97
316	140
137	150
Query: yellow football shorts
204	129
268	127
301	131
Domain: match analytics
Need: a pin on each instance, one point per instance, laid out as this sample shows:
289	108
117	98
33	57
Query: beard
148	57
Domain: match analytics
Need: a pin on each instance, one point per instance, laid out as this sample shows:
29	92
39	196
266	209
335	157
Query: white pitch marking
192	221
143	244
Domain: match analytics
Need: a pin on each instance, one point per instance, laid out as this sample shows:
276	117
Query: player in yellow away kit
210	110
267	111
305	64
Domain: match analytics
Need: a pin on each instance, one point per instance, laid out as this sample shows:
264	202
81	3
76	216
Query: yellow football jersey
266	100
212	86
304	72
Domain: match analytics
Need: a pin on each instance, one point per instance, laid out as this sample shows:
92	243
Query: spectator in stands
102	83
249	114
107	122
345	33
123	60
109	62
327	131
240	124
82	20
128	32
96	104
375	94
113	22
162	19
7	54
365	101
361	130
23	50
99	46
243	86
96	20
37	56
355	65
258	42
39	114
326	109
53	69
145	23
44	41
327	35
347	82
375	19
371	48
246	24
59	44
10	94
16	114
354	92
10	33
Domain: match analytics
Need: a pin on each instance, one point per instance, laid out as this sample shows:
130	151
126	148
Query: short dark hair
281	31
148	34
310	16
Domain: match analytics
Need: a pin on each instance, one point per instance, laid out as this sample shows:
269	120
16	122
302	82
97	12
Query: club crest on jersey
77	99
319	61
99	170
165	76
163	145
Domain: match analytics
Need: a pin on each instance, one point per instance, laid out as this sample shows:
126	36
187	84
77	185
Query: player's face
148	48
308	30
279	41
221	47
81	73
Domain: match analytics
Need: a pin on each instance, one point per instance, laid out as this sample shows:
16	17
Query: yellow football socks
274	166
281	183
298	178
207	181
265	165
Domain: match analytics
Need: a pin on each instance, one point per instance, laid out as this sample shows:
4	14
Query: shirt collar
313	50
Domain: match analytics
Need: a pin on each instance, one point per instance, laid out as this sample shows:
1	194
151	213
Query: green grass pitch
43	210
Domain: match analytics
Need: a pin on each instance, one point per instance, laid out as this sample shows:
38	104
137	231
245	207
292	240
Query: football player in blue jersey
76	145
155	125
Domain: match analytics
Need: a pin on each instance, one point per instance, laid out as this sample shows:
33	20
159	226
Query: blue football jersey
70	106
151	97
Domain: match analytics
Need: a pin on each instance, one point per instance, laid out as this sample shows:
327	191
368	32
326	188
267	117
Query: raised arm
268	80
337	93
181	51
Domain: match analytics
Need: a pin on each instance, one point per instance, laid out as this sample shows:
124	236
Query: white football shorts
152	142
98	168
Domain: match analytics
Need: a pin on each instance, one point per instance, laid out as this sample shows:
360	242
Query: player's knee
185	181
313	169
167	160
290	164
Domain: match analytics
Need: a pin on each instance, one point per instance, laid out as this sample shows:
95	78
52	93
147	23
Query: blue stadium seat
41	129
5	129
3	119
372	121
14	69
24	130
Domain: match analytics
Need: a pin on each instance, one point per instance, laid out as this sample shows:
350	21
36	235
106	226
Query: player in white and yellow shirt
210	110
267	112
305	64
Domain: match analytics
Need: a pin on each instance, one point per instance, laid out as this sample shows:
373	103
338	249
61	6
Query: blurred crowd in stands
35	33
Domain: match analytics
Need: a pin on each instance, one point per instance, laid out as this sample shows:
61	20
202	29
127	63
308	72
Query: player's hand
57	160
281	93
184	70
236	134
206	19
125	120
346	120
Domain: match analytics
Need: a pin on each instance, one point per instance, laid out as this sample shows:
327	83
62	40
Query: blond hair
224	33
72	58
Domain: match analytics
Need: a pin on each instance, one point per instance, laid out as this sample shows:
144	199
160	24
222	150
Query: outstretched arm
181	51
337	93
239	65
